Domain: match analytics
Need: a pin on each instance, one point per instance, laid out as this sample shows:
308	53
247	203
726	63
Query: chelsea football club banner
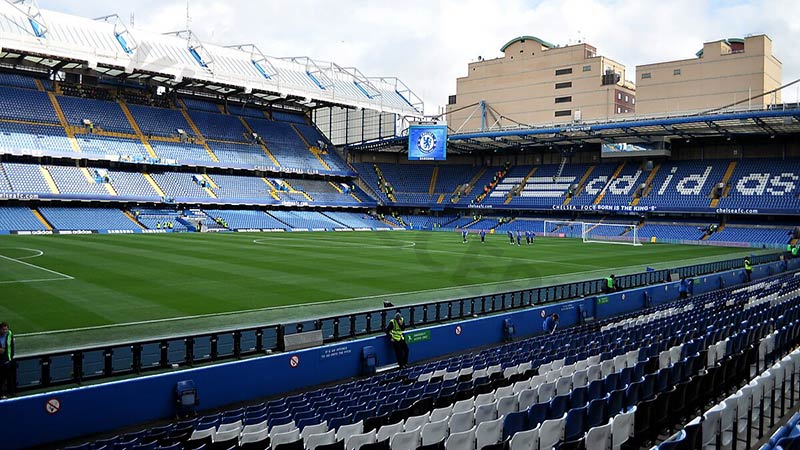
427	143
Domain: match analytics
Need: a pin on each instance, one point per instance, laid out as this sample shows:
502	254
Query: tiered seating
452	176
87	218
179	185
322	191
17	81
239	153
284	144
29	138
370	177
180	152
246	111
200	105
420	222
103	145
18	218
306	219
512	179
734	233
25	104
159	121
235	186
613	383
105	115
594	184
684	184
356	220
764	184
289	117
535	225
70	180
482	181
218	126
669	232
131	184
25	178
621	190
151	218
314	137
238	220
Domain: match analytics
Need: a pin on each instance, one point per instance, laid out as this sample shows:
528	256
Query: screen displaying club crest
427	142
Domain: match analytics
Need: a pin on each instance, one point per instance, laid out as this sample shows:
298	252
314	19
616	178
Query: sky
428	43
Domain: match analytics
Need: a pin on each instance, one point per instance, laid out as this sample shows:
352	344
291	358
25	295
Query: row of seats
626	376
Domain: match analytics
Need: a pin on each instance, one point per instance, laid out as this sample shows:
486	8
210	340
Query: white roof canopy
177	57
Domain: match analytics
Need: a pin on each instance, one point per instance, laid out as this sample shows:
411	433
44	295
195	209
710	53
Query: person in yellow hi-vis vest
395	333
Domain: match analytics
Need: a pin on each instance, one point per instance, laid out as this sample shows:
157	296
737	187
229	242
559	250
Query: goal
610	233
562	228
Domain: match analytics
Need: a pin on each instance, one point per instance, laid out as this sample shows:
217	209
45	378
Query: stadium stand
28	105
159	121
605	385
105	115
18	218
238	220
66	218
219	126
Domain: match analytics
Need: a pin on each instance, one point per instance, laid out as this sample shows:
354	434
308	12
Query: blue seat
615	402
596	413
575	424
678	442
537	413
579	397
558	406
514	423
597	389
611	382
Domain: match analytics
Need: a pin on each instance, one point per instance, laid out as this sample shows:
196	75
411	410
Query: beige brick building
536	83
722	73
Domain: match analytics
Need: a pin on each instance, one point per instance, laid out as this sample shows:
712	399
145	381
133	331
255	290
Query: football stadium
206	247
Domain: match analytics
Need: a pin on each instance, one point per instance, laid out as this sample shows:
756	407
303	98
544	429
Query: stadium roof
771	122
34	37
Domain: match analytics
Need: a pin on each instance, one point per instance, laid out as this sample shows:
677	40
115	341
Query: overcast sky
428	44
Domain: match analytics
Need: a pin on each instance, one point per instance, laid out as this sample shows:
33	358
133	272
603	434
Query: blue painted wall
105	407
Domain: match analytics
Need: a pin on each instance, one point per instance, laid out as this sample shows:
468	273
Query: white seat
407	440
313	429
388	431
564	385
728	420
355	441
551	432
441	413
425	376
225	427
527	398
622	428
315	440
464	440
524	367
466	372
559	363
546	392
581	365
254	437
711	356
599	438
633	357
231	435
484	399
580	379
520	386
345	431
203	433
675	354
509	372
507	405
256	427
497	368
434	432
606	367
620	362
525	440
282	428
504	391
486	412
711	427
552	376
464	405
537	381
594	372
593	360
544	368
462	421
721	350
439	373
489	432
449	376
743	403
284	438
568	370
663	359
416	421
480	373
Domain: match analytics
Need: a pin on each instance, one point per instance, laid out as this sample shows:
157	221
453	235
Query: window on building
563	112
566	99
646	75
587	68
627	99
619	110
676	72
619	95
451	100
633	100
564	71
564	85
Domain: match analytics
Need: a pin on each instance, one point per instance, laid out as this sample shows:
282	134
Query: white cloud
428	44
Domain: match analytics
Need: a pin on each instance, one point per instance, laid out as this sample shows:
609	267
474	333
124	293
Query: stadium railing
42	371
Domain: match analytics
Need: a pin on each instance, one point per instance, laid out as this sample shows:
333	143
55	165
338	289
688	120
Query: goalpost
562	228
610	233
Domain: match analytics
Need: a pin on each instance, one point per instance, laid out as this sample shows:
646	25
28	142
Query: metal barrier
43	371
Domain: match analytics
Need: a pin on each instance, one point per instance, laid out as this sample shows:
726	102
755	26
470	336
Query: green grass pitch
67	291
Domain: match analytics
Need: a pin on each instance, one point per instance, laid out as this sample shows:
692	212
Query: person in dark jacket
550	323
6	360
395	333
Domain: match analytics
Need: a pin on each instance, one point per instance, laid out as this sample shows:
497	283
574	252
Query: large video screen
626	150
427	143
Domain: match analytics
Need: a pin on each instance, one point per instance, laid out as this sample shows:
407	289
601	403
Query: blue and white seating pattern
19	218
68	218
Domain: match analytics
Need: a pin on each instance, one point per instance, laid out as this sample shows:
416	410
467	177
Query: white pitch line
65	276
35	280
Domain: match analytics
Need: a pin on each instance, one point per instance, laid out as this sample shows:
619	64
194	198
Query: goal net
558	228
610	233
